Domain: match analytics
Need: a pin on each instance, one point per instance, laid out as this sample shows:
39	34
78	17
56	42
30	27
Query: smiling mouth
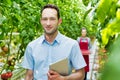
48	28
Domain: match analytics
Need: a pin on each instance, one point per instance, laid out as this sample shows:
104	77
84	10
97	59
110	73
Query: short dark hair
53	7
83	28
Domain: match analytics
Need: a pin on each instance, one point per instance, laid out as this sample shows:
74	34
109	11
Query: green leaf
103	9
105	36
2	18
85	2
108	31
112	66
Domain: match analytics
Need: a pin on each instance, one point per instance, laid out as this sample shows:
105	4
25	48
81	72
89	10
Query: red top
84	45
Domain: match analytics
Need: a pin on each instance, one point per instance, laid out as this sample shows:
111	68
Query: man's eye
52	18
44	19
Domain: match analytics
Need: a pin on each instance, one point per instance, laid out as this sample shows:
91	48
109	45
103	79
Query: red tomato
3	76
7	75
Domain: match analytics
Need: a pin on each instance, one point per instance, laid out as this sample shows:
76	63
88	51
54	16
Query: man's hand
29	75
52	75
77	75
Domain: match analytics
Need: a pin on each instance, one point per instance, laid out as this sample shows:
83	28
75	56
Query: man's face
50	21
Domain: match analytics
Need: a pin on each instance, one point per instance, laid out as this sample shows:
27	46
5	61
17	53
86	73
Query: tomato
4	48
104	50
3	76
7	75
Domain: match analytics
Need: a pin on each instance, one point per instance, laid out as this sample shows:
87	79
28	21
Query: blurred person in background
85	45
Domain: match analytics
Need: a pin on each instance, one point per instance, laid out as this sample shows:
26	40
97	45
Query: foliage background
22	17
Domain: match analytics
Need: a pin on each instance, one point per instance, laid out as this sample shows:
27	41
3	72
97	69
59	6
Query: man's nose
48	22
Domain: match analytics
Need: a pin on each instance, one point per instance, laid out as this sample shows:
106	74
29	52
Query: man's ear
59	21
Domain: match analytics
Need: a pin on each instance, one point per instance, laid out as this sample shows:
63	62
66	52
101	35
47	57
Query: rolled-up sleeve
77	59
28	60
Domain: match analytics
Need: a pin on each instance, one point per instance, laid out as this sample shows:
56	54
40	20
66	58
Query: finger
53	75
52	72
48	75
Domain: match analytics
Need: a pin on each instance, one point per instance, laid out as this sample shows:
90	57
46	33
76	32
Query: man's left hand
52	75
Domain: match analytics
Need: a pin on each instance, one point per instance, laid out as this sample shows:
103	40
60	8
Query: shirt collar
57	39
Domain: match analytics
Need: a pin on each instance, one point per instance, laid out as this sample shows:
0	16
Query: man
51	47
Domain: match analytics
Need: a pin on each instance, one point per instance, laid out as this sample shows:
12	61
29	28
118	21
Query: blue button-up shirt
40	54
